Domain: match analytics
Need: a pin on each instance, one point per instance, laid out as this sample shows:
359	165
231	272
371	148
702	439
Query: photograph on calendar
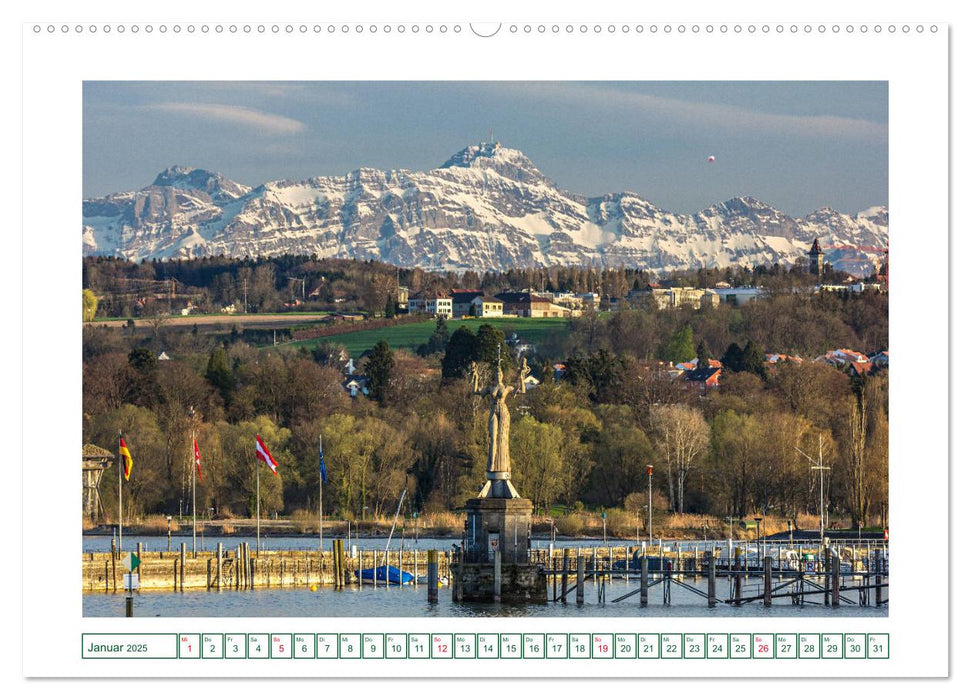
485	349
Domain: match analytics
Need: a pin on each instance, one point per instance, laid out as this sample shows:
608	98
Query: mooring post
333	550
834	559
827	572
580	575
738	576
767	581
644	589
497	577
175	574
431	576
564	577
181	566
666	584
712	600
208	574
219	566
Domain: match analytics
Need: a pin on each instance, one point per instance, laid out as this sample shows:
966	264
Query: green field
411	335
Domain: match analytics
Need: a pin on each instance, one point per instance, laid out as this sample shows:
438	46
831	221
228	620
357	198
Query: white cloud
713	117
264	121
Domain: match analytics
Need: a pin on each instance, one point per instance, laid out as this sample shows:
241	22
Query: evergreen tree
459	354
380	370
703	355
680	346
488	342
389	308
732	359
218	373
753	360
438	340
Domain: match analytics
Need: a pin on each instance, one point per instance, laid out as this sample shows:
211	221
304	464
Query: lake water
411	601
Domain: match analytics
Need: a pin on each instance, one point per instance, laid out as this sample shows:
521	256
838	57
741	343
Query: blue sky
798	146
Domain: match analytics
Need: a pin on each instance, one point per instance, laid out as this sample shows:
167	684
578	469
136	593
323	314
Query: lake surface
411	601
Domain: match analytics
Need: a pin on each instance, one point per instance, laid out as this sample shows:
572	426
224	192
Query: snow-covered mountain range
486	208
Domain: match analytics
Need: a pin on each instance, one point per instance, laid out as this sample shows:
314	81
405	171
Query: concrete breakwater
242	568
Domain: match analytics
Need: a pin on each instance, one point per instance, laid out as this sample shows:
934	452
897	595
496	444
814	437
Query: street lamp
758	534
650	503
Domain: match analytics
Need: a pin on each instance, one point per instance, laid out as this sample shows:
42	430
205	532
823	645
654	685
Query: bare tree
680	436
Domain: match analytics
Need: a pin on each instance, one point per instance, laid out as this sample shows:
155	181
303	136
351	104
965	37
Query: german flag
126	456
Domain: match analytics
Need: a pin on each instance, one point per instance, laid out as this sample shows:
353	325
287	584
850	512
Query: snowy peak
493	156
487	208
220	189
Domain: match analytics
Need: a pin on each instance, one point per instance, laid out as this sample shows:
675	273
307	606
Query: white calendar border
53	69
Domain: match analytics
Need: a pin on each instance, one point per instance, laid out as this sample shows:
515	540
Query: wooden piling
827	577
878	580
834	559
564	576
106	576
767	582
208	574
431	576
114	573
738	576
139	554
181	567
580	576
712	600
252	569
644	589
336	566
219	566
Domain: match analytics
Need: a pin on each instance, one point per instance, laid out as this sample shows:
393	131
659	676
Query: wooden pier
833	582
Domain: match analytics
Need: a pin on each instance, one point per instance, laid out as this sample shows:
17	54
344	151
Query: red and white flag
263	453
195	448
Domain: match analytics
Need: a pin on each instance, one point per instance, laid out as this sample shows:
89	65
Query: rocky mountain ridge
488	207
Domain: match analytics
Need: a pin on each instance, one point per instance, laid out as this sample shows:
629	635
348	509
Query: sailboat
387	573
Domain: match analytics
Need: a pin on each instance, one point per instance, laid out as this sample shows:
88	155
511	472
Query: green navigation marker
131	561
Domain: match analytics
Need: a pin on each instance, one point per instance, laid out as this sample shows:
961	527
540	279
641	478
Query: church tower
816	259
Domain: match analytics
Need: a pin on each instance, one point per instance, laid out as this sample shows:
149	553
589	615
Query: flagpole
119	493
320	498
193	493
257	508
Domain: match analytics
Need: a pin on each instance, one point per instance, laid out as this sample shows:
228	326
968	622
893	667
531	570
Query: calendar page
485	344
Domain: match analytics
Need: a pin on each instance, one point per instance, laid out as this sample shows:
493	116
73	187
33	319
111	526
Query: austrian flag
263	454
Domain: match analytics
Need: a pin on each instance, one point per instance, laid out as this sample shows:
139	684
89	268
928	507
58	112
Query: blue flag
323	469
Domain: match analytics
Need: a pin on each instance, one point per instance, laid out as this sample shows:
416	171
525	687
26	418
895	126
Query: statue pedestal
497	528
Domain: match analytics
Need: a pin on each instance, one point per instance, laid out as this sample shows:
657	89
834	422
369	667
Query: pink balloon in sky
711	159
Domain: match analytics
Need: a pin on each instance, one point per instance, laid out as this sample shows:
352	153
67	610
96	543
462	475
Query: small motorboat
387	574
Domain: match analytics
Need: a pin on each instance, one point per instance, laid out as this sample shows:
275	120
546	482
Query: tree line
582	438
